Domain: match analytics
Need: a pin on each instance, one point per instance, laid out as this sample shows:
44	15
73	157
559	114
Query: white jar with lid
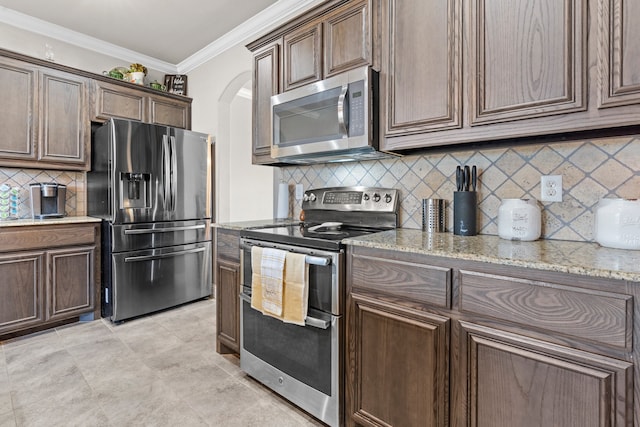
617	223
519	219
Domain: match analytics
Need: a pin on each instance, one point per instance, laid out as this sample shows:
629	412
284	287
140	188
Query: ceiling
170	34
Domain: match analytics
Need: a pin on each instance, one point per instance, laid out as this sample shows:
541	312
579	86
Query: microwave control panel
357	108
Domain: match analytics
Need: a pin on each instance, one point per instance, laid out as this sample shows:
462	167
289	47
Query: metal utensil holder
433	215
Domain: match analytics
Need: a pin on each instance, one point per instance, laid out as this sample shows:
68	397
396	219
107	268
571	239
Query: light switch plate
299	191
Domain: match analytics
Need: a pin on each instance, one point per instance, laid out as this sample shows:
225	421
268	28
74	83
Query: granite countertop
49	221
587	259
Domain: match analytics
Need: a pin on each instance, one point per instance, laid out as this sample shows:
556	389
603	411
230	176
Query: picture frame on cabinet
176	83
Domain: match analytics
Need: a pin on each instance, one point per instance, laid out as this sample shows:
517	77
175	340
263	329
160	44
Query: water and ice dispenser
135	191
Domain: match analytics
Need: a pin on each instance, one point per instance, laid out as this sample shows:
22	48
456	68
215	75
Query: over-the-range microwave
331	120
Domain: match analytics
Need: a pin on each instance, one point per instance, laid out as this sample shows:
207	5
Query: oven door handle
308	321
309	259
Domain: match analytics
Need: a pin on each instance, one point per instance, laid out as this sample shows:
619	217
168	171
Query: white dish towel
272	272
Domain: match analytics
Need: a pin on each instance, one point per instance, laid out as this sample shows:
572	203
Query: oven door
301	363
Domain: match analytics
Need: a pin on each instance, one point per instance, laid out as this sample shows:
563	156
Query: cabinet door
266	83
527	58
70	279
170	112
111	100
228	306
512	380
21	303
303	56
18	85
421	66
65	130
347	41
397	366
620	55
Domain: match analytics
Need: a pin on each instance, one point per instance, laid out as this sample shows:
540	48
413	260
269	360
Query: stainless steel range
305	363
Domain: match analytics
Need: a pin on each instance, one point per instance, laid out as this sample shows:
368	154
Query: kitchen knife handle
458	178
474	177
467	178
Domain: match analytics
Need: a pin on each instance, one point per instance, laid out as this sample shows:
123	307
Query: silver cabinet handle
169	255
164	230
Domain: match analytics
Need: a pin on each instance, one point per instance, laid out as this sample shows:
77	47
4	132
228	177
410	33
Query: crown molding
273	16
57	32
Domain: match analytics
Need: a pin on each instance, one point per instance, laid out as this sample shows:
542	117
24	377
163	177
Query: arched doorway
243	191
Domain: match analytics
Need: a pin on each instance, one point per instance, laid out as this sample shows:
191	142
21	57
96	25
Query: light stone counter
589	259
49	221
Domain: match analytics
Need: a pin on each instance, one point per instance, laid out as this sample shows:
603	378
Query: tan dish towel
295	287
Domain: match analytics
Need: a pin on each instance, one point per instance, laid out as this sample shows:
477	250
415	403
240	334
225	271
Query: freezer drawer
152	280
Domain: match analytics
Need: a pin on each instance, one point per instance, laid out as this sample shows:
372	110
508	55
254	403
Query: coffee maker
47	200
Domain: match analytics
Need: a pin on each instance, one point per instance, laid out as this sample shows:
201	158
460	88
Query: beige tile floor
159	370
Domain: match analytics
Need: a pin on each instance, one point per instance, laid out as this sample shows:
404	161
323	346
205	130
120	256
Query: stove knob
366	197
312	197
305	198
376	197
387	198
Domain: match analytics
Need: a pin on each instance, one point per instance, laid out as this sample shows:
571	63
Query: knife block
465	206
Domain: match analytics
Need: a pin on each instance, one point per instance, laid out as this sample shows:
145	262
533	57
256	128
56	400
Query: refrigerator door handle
169	255
174	172
164	230
166	170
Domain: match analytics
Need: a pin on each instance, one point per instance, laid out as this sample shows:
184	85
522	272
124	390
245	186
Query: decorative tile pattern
591	169
75	181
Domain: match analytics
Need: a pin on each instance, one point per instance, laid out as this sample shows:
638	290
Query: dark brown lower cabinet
513	380
48	273
227	284
514	347
399	373
228	306
21	290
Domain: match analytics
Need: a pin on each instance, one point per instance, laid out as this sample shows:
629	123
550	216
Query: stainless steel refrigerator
152	187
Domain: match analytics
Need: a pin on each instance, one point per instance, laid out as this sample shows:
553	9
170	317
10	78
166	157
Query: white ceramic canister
617	223
519	219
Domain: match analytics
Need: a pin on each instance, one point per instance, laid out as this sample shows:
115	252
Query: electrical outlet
299	191
551	188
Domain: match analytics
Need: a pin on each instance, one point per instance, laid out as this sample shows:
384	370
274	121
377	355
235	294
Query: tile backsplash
21	178
591	169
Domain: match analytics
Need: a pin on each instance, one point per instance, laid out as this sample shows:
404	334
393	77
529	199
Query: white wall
213	87
244	191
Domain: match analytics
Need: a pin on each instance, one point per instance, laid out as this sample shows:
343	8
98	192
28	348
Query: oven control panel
364	199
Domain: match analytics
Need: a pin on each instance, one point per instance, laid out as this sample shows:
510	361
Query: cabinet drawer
596	316
228	244
421	283
38	237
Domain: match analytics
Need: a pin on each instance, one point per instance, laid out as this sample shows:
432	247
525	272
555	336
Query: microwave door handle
342	112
